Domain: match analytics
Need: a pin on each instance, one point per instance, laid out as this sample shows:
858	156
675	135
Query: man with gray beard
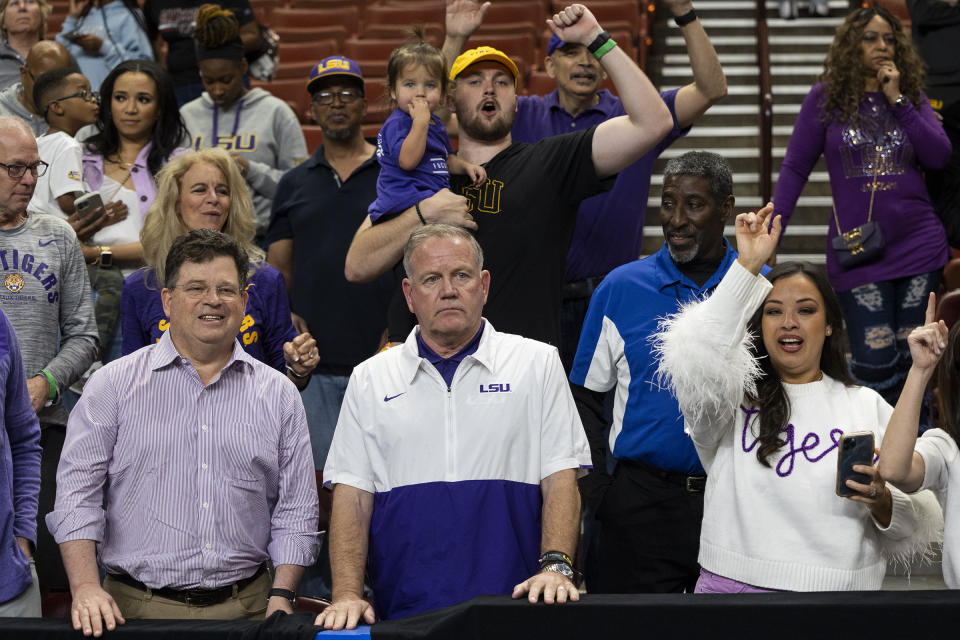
651	507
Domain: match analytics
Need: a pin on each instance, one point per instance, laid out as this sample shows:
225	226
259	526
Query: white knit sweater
783	526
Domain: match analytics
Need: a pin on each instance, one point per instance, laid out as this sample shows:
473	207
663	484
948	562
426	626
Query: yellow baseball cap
480	54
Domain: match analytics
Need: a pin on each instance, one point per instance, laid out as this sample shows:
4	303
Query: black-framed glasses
84	94
16	171
347	96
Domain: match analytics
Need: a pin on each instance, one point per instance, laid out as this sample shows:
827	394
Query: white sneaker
788	9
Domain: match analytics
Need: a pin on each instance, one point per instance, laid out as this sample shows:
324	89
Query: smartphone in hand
854	448
89	205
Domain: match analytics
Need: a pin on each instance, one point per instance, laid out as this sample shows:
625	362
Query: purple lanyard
216	127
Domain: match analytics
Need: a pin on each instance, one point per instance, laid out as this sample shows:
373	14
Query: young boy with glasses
66	102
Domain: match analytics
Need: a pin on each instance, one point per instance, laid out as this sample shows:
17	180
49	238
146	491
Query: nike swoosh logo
389	398
47	243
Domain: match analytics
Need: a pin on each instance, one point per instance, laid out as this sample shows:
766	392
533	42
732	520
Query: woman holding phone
205	190
139	129
100	34
760	375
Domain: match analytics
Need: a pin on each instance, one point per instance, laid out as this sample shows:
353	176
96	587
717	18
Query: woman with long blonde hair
205	190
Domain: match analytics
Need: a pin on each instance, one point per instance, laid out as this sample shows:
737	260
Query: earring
829	331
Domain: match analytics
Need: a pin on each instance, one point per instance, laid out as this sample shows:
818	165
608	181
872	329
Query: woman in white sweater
760	375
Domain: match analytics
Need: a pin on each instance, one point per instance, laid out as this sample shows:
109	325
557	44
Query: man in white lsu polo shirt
455	458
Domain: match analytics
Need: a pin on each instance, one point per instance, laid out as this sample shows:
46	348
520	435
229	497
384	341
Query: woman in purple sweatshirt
869	118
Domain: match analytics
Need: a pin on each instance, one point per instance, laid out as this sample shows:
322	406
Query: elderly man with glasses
46	296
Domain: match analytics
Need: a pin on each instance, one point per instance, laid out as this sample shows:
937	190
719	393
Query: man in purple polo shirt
19	483
189	463
609	227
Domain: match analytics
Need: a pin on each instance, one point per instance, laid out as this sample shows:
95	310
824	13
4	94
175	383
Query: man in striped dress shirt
189	463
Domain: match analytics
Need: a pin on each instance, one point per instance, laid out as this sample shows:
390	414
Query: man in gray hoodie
46	296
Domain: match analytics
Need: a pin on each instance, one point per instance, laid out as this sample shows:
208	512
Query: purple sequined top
897	143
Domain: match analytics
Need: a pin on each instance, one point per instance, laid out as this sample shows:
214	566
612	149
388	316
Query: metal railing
766	104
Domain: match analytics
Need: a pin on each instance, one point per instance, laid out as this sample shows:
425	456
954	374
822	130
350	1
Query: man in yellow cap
525	212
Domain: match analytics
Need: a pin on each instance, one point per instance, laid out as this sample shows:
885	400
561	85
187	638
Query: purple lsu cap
333	66
554	44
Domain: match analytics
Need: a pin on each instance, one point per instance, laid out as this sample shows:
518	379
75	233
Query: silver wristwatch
901	101
561	568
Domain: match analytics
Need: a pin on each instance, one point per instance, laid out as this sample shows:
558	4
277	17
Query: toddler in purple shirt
413	148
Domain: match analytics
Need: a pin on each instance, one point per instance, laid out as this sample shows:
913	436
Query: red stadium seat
371	54
308	51
378	103
433	31
406	14
308	25
611	14
314	136
293	92
347	17
514	17
948	308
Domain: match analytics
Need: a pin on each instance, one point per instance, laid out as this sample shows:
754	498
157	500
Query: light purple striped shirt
202	484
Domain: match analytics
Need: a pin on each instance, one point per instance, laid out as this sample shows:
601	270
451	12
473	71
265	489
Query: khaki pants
249	603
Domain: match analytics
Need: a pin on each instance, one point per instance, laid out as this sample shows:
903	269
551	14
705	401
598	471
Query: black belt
192	597
581	288
693	484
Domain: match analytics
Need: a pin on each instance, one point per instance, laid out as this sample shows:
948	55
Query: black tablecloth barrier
906	615
278	627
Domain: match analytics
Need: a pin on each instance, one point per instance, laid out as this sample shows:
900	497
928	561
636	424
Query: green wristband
52	382
602	51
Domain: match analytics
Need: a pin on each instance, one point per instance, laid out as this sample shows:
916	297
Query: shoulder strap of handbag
873	192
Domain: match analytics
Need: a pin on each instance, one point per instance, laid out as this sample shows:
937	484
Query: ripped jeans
879	317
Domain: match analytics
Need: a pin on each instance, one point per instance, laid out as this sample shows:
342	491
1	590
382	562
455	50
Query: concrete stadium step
798	48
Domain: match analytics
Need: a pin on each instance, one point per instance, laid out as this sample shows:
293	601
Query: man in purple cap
609	229
317	208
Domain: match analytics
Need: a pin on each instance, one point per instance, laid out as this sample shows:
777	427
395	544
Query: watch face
106	259
560	568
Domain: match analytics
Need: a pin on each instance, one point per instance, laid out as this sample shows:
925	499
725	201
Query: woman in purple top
205	190
869	118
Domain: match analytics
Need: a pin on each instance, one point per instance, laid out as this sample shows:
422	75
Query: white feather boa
708	379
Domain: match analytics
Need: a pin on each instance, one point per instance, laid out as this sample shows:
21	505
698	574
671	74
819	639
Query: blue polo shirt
609	229
615	350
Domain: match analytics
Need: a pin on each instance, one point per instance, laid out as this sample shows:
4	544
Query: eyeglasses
199	291
17	171
347	96
85	94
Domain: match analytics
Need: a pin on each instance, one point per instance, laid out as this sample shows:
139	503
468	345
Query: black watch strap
555	557
598	42
686	18
283	593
